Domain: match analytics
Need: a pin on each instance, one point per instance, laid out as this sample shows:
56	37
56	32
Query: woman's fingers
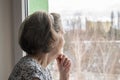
63	59
64	65
67	68
59	58
65	62
68	64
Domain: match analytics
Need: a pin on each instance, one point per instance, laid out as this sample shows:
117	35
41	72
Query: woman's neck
41	59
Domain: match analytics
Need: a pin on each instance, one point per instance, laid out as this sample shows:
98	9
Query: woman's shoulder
25	68
28	64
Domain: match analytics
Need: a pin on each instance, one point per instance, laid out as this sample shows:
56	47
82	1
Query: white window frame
19	14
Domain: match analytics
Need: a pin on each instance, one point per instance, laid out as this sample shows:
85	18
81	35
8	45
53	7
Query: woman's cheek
63	41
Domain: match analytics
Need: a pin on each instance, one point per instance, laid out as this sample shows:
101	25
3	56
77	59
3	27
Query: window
92	36
35	5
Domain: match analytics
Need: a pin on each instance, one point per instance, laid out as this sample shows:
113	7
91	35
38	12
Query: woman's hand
64	65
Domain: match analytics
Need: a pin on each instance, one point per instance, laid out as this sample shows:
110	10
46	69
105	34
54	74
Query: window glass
92	36
36	5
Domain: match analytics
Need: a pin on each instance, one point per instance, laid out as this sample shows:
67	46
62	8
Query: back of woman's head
39	32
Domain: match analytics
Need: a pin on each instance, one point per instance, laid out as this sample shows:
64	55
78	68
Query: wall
6	54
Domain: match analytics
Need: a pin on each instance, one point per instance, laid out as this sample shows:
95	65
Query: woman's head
40	33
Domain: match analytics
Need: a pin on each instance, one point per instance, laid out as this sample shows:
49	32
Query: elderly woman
41	37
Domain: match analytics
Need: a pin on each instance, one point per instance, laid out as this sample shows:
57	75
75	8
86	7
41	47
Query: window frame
19	14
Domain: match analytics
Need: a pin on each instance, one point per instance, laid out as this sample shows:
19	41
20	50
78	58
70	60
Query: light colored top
28	68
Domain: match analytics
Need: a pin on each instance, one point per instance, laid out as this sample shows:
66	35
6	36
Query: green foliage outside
37	5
